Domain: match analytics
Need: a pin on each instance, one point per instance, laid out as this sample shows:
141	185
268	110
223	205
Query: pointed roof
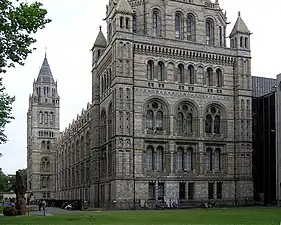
45	73
240	26
123	6
100	40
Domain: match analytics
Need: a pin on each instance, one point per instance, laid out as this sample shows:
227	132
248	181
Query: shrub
10	211
1	209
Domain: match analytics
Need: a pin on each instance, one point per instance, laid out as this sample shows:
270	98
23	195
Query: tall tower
42	133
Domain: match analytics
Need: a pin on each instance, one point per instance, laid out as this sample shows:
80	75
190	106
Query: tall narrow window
178	26
149	120
121	22
127	23
109	32
159	158
209	32
134	22
150	67
182	191
217	160
159	121
210	191
181	73
241	42
40	117
150	158
209	77
221	36
180	122
208	124
219	190
208	160
217	125
191	190
151	191
190	32
160	71
189	156
161	191
246	42
181	164
46	118
156	23
191	74
219	78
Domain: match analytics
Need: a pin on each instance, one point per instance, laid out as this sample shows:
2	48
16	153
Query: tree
18	23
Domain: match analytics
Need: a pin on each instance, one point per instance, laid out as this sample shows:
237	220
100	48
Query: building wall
121	105
278	143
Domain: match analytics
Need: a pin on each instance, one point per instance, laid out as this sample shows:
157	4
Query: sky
69	38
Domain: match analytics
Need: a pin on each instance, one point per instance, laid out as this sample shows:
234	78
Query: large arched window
209	77
213	121
210	32
150	70
185	119
103	127
110	118
191	74
219	78
181	73
45	165
160	71
178	26
155	117
156	20
190	32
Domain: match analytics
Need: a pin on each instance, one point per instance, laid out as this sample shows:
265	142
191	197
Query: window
51	119
155	117
181	73
43	145
134	22
48	145
48	195
217	160
190	32
156	23
46	118
241	42
45	165
208	159
219	78
159	158
109	32
160	71
155	159
191	74
209	77
221	36
210	191
121	22
103	126
150	158
182	191
191	191
40	117
110	117
184	159
246	42
213	121
219	190
161	191
150	68
151	191
178	26
159	121
209	32
185	119
127	23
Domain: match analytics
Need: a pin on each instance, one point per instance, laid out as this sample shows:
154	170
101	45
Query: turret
99	46
240	35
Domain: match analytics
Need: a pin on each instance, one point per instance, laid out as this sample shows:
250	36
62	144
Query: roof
123	6
240	27
100	40
45	73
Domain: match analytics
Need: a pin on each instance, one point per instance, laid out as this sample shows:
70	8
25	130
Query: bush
1	209
10	211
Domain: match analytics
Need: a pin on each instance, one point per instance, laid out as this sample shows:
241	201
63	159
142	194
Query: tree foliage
17	25
8	183
19	21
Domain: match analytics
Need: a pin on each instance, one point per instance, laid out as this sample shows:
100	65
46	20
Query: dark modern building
264	140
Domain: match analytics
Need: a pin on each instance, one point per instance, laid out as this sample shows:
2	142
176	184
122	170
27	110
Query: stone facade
42	134
170	113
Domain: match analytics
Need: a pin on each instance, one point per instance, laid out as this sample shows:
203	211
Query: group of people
42	204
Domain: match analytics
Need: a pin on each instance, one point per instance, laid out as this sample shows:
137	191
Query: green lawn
247	216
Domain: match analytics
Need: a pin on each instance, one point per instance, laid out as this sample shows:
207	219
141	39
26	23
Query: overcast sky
69	39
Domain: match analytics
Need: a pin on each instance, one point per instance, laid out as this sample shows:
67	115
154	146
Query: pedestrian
40	205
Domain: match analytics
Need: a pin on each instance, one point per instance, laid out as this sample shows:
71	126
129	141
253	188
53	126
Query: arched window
241	42
160	71
134	22
121	22
127	23
155	117
217	160
219	78
103	127
209	32
185	119
208	124
43	145
159	158
209	159
45	165
150	68
48	145
51	119
150	158
191	74
221	36
156	17
213	121
40	117
189	159
43	182
181	73
110	118
46	118
190	32
246	42
209	77
178	26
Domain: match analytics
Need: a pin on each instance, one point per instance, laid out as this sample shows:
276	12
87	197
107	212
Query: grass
246	216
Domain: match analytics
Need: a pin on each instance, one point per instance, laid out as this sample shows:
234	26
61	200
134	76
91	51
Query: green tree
19	21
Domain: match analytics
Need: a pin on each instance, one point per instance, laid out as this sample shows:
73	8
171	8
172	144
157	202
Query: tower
240	42
42	133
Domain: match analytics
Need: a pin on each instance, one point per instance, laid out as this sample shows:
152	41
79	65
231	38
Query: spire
100	40
240	26
45	74
123	6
